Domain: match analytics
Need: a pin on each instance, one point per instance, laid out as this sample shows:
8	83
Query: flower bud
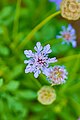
46	95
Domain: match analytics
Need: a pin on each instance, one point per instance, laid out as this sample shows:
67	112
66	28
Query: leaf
12	85
4	50
1	82
27	94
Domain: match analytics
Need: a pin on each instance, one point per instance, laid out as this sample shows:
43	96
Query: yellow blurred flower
46	95
70	9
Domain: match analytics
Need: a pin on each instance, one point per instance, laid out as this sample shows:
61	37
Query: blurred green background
18	91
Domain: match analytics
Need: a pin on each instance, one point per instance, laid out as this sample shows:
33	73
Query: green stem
16	21
30	35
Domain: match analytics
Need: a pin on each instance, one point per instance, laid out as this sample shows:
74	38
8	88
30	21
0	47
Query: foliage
18	91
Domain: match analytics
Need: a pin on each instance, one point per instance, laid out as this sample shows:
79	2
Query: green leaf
12	85
27	94
4	50
1	82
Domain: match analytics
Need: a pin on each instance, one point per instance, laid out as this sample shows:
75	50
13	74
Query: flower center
40	61
56	74
67	36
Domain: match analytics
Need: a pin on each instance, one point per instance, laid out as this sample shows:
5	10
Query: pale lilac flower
38	61
57	3
56	75
69	35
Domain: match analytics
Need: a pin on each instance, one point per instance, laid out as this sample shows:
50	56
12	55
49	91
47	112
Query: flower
56	75
70	9
46	95
38	61
57	2
68	34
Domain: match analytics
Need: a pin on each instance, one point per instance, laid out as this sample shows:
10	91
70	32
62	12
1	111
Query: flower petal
47	49
38	47
74	43
36	74
46	71
28	69
28	53
52	60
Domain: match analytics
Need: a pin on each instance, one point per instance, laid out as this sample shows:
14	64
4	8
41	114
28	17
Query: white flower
68	34
56	75
39	60
46	95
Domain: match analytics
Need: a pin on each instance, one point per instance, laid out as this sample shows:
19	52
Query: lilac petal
73	31
46	71
28	53
69	27
64	28
52	60
58	36
63	42
36	74
74	43
28	69
28	61
74	37
38	47
47	49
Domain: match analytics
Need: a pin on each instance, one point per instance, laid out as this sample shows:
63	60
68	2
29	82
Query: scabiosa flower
38	61
68	34
70	9
57	2
56	75
46	95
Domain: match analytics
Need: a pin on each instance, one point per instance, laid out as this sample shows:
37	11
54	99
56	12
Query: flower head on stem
56	75
39	60
46	95
68	34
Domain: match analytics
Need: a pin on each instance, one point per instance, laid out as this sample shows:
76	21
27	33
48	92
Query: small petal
58	36
69	27
74	44
47	49
38	47
26	61
52	60
46	71
28	69
36	74
28	53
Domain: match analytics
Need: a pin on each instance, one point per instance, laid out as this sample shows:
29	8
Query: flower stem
30	35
